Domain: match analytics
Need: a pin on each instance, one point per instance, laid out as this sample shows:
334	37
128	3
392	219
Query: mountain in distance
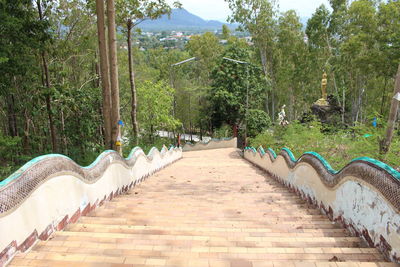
181	19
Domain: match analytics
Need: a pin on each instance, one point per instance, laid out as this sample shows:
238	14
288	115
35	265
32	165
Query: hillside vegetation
63	91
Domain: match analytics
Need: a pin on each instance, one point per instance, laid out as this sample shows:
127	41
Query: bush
10	148
338	148
258	121
224	131
10	151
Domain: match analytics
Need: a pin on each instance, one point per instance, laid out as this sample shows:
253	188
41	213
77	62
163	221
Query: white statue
282	117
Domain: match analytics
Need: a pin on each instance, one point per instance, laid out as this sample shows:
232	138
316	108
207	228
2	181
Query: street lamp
171	80
184	61
172	85
247	93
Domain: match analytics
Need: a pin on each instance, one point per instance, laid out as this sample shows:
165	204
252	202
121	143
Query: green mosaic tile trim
33	161
376	163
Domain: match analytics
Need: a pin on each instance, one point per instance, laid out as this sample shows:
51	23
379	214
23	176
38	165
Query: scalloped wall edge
69	191
364	196
211	144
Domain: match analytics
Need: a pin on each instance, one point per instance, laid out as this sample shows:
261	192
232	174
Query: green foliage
10	155
224	131
356	43
207	50
10	147
20	34
137	11
337	148
157	142
257	122
230	83
226	32
155	108
256	17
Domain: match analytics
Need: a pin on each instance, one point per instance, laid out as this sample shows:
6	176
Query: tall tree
388	37
207	50
258	18
229	88
21	36
290	54
112	55
226	32
385	143
156	110
46	83
104	70
359	52
130	14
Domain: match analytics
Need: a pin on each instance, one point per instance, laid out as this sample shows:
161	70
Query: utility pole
247	94
172	85
385	143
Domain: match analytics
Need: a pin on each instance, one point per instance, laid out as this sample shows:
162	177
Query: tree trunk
273	106
264	63
291	101
48	104
200	123
135	125
112	50
273	84
64	137
327	62
104	70
385	143
383	97
47	85
343	105
26	143
51	123
190	120
12	118
96	82
151	133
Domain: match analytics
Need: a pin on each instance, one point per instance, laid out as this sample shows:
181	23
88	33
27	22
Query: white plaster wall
357	202
64	194
212	145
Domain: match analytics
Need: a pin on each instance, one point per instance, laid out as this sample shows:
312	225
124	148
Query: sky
218	9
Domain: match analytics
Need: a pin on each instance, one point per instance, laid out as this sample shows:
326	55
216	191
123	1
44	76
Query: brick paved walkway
211	208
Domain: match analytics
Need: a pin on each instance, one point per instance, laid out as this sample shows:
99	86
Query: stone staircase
211	208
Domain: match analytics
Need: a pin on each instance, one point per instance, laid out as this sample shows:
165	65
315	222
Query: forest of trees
52	97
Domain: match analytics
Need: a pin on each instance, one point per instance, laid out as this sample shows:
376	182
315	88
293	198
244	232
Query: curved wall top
51	191
364	195
212	144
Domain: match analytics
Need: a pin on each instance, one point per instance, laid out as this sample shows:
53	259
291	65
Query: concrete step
191	214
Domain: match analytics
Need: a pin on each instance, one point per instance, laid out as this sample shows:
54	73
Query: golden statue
323	101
